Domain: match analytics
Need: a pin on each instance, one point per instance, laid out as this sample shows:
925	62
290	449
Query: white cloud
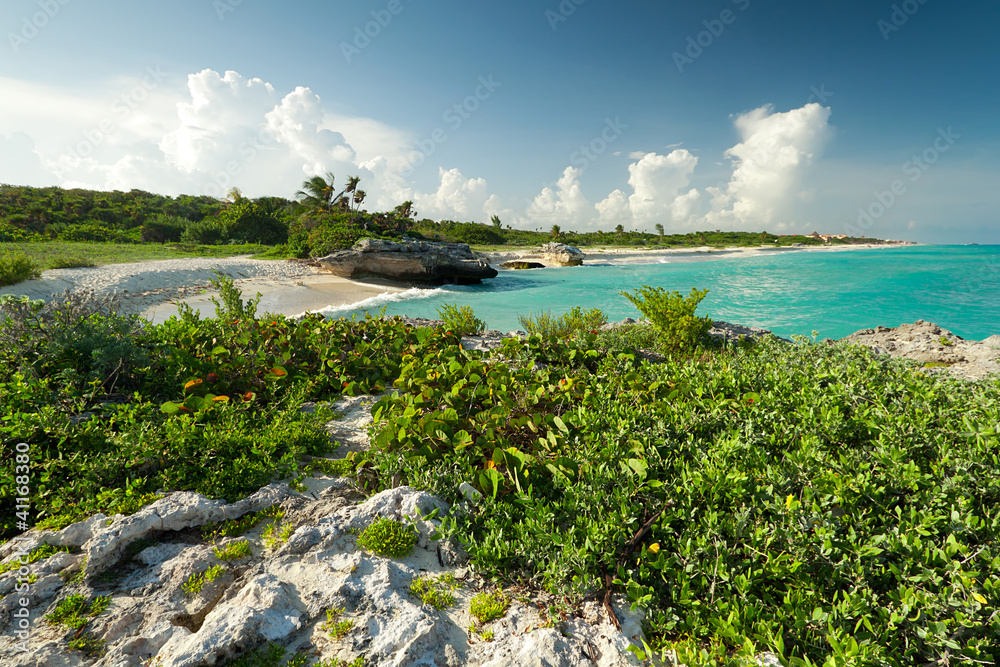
564	206
770	161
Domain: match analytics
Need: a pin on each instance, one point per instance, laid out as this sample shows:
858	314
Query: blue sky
736	114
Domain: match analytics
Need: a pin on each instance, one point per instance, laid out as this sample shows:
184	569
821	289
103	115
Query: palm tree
350	189
318	192
359	198
405	210
555	232
619	230
496	222
659	228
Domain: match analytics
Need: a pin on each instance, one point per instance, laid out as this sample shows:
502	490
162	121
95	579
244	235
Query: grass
68	254
337	629
75	611
236	527
435	591
233	551
36	555
489	606
197	580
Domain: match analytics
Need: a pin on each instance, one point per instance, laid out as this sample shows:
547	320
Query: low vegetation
831	506
16	267
198	580
461	320
387	537
575	323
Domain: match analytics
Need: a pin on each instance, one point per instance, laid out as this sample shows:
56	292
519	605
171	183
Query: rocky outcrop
409	261
937	349
279	593
732	333
560	254
521	265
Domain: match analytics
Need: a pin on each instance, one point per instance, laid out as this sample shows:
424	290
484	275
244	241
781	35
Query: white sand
154	288
638	255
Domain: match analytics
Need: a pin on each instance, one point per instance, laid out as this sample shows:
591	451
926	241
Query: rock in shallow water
409	261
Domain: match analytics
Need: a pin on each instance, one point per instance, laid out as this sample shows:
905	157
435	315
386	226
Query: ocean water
788	291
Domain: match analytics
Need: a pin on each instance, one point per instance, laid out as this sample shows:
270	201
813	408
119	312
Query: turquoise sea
787	291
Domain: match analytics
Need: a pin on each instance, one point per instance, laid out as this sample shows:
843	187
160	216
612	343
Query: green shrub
329	236
673	315
204	232
461	319
386	537
249	222
17	267
75	612
337	629
489	606
163	229
435	591
574	323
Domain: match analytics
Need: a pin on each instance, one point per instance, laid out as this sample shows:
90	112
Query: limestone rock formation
937	349
560	254
520	265
409	261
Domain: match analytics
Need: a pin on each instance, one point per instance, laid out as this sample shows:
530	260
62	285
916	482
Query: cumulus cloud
565	205
769	163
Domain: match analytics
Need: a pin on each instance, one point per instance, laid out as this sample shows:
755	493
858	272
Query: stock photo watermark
33	24
714	28
223	7
914	169
565	9
248	150
900	14
455	117
363	36
590	152
21	612
123	107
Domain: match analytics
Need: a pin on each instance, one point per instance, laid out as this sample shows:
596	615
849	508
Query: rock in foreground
934	347
409	261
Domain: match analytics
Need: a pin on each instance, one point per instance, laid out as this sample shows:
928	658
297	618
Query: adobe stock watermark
21	612
565	9
123	107
248	150
223	7
697	44
455	117
363	36
898	17
588	153
32	25
913	168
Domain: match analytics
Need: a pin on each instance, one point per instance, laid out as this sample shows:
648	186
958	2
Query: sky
839	116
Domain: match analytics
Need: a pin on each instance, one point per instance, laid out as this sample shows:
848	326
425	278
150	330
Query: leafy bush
574	323
461	319
79	336
233	551
673	316
808	500
386	537
327	237
17	267
204	232
249	222
94	231
163	229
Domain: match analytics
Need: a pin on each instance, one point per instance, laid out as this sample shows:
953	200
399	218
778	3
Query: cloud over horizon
220	131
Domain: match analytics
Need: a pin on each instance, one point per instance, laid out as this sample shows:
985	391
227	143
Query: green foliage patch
673	316
461	319
17	267
387	537
489	606
568	325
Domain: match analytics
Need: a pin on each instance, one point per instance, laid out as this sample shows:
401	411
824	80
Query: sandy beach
153	289
610	255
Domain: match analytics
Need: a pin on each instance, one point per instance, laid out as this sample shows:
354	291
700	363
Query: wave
376	302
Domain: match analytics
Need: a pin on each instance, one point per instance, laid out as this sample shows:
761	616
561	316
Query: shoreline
153	289
604	255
